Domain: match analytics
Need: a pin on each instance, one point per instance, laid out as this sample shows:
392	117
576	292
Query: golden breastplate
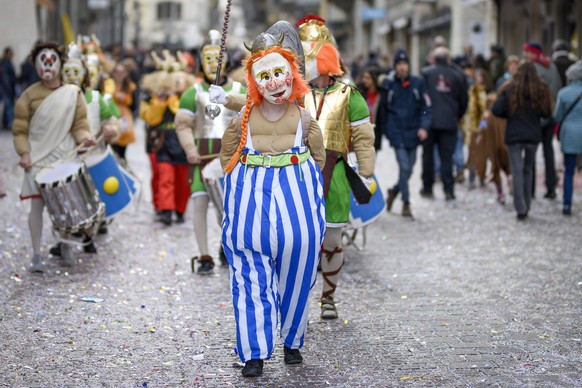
334	117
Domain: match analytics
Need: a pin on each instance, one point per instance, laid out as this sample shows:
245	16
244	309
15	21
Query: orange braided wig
300	89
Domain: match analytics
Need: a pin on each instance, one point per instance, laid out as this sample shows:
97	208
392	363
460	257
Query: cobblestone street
464	295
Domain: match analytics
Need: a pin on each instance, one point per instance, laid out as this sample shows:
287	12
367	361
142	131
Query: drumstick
69	155
210	156
73	152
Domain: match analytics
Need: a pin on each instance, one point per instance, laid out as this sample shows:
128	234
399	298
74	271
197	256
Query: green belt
279	160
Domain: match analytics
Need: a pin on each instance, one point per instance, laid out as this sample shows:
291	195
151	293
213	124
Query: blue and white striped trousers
272	231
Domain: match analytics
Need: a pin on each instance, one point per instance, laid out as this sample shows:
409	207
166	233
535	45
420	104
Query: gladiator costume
342	113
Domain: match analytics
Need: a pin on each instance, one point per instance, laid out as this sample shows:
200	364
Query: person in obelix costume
200	136
342	113
274	211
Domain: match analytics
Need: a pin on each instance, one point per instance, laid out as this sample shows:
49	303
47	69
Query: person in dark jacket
561	58
447	89
524	102
404	117
8	79
548	72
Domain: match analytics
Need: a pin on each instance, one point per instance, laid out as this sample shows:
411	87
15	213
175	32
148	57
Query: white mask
272	74
73	72
311	72
48	64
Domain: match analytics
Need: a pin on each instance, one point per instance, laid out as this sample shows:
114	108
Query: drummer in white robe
50	118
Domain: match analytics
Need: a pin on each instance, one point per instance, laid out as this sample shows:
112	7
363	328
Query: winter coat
550	76
523	125
403	109
571	127
447	89
562	62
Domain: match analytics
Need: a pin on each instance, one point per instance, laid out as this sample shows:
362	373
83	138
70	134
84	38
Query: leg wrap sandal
328	309
206	265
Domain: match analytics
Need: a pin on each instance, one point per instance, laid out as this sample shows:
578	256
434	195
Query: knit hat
400	56
574	72
533	47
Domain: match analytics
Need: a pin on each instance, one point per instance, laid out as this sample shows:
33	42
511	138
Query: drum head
59	172
97	156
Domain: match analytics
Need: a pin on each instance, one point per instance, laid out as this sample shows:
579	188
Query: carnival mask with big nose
73	72
48	64
273	77
210	55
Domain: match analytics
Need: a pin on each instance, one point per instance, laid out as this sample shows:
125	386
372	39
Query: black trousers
446	140
549	159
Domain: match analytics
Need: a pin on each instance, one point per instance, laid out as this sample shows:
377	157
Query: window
169	10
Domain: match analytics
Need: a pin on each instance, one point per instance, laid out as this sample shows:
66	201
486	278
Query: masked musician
274	212
200	136
101	115
344	118
50	118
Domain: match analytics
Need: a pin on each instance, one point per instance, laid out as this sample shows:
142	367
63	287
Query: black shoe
292	356
90	248
222	257
450	197
550	195
522	217
179	218
55	250
206	265
102	228
567	211
253	368
391	196
426	194
166	217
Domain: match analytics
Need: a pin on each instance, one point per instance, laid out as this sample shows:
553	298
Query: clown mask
273	77
73	72
209	61
48	64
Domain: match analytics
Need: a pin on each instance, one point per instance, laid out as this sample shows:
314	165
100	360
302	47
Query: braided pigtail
243	138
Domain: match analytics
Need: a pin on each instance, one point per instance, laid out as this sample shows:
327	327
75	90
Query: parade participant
342	114
404	116
102	120
100	114
148	86
273	227
171	163
200	135
123	97
49	118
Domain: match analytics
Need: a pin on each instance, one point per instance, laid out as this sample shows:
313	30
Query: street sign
98	4
369	13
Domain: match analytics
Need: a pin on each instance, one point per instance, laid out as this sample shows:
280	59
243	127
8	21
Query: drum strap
329	255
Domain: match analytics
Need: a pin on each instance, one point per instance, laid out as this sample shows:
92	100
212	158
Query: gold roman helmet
312	29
